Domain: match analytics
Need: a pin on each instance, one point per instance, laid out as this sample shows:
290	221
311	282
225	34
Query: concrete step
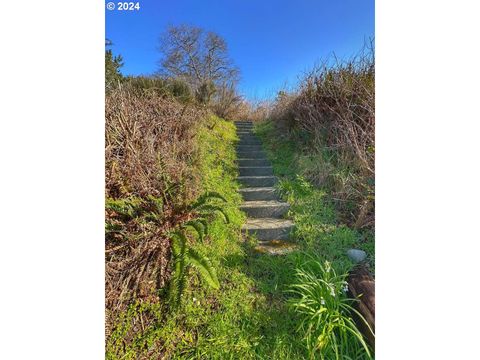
249	143
252	162
251	155
240	122
265	208
257	181
258	193
268	229
255	170
252	148
250	140
275	247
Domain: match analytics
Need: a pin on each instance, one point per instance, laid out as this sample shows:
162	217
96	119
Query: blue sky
272	41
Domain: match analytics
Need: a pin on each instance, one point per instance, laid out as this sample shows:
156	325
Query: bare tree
198	57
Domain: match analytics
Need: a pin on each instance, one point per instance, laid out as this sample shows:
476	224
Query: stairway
264	209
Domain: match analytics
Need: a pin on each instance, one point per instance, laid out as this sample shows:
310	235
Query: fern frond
209	208
205	267
111	227
179	249
205	197
204	222
197	226
122	207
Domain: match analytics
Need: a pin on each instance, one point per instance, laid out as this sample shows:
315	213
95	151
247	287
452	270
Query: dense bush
166	87
149	145
150	151
332	116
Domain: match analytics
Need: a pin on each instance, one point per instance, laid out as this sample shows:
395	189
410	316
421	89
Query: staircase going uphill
265	211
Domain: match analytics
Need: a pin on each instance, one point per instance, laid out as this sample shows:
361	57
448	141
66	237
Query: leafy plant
321	301
184	255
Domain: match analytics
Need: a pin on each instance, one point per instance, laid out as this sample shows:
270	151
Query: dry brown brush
335	106
150	180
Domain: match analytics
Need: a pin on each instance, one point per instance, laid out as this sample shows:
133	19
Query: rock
356	255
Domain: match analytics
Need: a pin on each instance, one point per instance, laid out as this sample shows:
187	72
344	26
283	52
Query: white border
52	179
52	166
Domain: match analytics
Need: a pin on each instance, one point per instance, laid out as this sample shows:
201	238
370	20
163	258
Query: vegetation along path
261	203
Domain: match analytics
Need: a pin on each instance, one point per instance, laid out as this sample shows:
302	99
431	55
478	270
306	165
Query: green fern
203	199
204	222
126	208
205	267
178	281
197	226
209	209
184	257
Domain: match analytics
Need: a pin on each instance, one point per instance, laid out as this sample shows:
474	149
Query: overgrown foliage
150	182
332	117
149	146
157	154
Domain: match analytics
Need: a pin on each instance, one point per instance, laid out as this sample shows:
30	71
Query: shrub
163	87
150	181
332	117
149	146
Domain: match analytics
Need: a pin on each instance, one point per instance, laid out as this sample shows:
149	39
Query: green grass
250	316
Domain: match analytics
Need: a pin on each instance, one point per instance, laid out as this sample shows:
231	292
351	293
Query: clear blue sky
271	41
